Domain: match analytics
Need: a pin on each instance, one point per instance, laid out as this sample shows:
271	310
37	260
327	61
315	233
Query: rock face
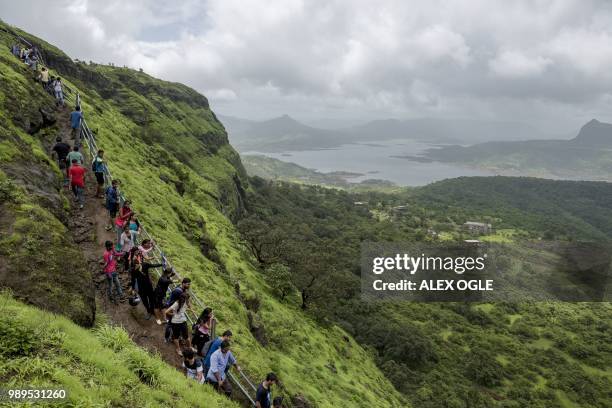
594	134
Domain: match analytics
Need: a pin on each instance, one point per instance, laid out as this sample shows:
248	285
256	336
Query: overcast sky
548	63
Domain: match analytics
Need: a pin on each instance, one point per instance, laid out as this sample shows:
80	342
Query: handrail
93	149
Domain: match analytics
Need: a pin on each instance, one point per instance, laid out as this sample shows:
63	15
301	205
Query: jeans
79	193
113	279
59	95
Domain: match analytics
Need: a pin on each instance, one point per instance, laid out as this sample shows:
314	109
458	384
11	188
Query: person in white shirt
177	312
219	362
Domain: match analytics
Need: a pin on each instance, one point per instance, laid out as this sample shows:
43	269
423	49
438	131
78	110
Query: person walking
214	346
60	153
58	90
76	116
76	175
123	218
159	294
98	166
201	332
263	397
193	366
177	313
74	155
110	258
112	202
221	361
44	77
144	285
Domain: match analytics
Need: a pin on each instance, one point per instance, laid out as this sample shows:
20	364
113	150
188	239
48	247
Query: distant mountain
462	131
594	134
286	133
588	156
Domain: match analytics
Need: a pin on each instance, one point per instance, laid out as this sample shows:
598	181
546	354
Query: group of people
205	360
30	56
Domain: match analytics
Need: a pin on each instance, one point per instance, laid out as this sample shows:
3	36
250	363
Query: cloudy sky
548	63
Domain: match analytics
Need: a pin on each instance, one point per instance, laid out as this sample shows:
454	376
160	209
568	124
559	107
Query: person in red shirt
76	174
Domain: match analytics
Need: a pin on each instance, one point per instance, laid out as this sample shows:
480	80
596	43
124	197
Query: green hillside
186	183
502	354
97	368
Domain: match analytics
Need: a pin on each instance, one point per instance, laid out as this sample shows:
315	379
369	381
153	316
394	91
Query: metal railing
89	137
86	134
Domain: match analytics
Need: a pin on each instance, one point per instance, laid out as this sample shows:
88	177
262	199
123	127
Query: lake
375	160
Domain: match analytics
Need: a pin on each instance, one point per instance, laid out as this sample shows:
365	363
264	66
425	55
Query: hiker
178	321
214	346
220	361
74	155
174	295
110	269
76	175
159	294
16	50
263	398
33	64
201	330
193	366
98	166
127	243
51	85
146	248
43	77
60	152
179	290
58	91
278	402
112	202
123	217
76	116
144	287
134	226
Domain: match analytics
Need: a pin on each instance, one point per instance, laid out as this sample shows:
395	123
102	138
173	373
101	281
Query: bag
207	347
134	300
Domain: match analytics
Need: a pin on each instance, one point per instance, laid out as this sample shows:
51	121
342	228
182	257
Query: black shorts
158	300
112	209
179	330
100	178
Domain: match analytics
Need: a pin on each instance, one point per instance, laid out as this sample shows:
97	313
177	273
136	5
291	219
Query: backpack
207	347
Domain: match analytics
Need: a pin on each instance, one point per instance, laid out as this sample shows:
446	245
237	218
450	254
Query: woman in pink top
110	258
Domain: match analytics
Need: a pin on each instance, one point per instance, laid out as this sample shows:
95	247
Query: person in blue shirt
98	166
75	123
221	361
226	336
112	202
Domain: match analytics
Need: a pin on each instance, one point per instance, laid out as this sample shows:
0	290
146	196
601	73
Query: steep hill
187	184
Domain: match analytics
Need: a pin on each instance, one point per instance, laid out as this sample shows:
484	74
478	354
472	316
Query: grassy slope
299	349
32	208
98	368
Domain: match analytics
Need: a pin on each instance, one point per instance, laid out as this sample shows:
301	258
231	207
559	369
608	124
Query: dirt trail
88	228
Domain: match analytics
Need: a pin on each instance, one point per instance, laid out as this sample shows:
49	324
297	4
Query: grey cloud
492	59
